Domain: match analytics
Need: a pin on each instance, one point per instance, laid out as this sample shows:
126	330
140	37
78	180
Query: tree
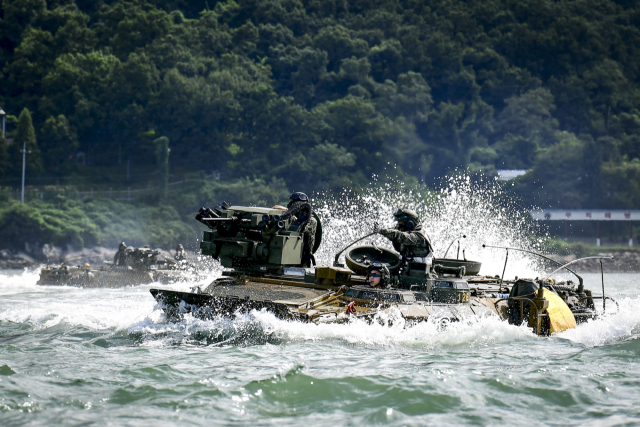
528	113
25	133
61	142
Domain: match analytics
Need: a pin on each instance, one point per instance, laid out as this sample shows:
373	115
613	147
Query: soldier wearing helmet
179	256
378	276
407	237
120	258
300	211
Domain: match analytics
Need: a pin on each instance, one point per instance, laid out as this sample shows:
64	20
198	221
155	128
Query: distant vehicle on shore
131	266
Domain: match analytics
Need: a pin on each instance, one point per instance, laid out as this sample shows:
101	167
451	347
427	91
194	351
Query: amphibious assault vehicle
142	266
263	255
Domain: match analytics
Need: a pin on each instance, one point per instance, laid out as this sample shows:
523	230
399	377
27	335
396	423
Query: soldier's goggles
298	197
374	275
400	216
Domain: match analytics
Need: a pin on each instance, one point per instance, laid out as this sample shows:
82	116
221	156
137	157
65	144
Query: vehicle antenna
464	236
537	254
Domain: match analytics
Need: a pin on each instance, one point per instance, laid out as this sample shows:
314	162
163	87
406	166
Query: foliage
63	221
25	138
311	95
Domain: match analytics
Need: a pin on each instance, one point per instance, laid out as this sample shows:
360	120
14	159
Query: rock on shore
622	262
95	256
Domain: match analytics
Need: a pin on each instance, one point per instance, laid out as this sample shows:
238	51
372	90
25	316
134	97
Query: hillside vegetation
318	94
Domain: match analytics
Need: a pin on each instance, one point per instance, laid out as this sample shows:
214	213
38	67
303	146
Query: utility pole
3	114
24	166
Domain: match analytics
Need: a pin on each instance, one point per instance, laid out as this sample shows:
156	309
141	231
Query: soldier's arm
293	210
300	210
402	237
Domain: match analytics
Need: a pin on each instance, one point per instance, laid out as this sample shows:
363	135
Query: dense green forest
316	94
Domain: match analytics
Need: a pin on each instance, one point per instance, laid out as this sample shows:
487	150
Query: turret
250	240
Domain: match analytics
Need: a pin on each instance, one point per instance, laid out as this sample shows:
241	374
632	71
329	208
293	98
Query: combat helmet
297	197
408	217
122	246
385	276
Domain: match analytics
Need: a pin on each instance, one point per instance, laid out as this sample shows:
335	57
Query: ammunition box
333	276
286	250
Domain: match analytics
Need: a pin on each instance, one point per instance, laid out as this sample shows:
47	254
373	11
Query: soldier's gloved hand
376	227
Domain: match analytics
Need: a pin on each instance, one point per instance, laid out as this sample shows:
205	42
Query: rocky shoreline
622	262
95	257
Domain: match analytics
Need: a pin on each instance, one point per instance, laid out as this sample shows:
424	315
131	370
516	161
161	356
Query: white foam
612	327
262	324
16	281
481	211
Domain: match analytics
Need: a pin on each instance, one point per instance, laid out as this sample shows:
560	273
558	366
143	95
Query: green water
73	356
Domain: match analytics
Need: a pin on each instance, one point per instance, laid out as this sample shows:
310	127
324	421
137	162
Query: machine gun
251	240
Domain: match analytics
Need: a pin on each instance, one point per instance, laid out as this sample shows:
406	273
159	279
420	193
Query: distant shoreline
623	262
95	257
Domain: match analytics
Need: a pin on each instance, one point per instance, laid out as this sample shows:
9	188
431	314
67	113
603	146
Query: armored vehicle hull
130	267
104	277
318	305
323	296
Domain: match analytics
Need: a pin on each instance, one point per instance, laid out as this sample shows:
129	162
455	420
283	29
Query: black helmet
408	217
122	246
298	197
385	276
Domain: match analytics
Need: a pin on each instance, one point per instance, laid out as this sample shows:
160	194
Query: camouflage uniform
301	213
179	256
410	244
303	221
310	232
121	256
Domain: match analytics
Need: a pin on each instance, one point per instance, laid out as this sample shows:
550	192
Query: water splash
618	325
389	329
17	281
477	208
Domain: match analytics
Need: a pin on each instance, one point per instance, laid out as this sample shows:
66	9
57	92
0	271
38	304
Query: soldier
179	256
300	211
379	276
120	258
407	237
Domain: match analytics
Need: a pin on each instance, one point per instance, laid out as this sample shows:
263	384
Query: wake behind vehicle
263	255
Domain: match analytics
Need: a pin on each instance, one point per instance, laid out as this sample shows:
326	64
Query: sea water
73	356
